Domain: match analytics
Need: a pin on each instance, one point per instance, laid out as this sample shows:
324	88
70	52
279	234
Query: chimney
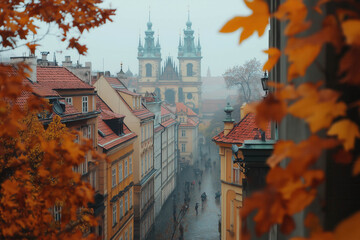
44	56
242	113
31	61
67	62
228	122
107	73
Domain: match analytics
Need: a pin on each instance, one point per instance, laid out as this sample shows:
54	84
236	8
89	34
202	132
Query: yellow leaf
349	228
351	29
346	131
257	21
274	55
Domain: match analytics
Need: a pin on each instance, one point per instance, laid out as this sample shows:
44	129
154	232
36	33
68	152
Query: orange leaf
349	228
312	222
32	47
257	21
281	151
288	225
274	55
299	200
356	167
343	157
346	131
351	29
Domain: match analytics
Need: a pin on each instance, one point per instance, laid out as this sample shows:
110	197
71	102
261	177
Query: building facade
233	179
188	134
170	83
140	120
117	141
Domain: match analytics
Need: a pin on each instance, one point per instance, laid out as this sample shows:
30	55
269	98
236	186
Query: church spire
150	49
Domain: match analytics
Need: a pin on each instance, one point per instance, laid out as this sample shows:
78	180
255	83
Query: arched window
148	70
189	69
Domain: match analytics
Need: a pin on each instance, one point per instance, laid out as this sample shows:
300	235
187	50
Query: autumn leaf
274	55
343	157
346	131
351	30
32	47
312	222
257	21
349	228
281	151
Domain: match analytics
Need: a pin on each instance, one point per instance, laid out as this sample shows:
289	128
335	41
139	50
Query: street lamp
237	159
264	82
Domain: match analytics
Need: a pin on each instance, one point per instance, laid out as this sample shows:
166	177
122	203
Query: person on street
199	184
196	208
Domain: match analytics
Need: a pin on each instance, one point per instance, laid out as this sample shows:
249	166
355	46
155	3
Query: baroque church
170	83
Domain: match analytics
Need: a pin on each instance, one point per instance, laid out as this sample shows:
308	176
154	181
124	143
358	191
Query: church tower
149	57
189	56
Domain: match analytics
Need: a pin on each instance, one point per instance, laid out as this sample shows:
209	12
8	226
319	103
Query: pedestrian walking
196	208
199	184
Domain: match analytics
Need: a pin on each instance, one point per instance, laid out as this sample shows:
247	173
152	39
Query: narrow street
203	225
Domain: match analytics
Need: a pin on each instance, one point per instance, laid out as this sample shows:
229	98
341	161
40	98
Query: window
142	165
126	203
148	70
130	198
130	233
84	166
142	133
130	164
126	235
114	214
189	69
146	166
57	213
69	100
84	104
120	172
183	133
126	168
89	132
183	147
236	174
121	209
113	176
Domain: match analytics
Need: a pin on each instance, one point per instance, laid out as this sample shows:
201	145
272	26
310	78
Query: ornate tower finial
149	13
189	13
121	66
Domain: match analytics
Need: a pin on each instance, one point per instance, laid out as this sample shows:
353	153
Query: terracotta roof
246	129
124	90
180	107
59	78
168	122
158	128
142	113
164	111
114	82
110	139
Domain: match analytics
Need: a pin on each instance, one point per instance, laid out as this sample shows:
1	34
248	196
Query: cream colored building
140	120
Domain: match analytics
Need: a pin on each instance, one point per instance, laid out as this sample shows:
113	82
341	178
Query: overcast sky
117	41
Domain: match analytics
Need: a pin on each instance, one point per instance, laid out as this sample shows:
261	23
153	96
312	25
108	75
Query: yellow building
171	84
188	134
232	174
140	120
117	141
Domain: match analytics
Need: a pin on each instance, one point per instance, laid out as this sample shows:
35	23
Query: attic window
101	133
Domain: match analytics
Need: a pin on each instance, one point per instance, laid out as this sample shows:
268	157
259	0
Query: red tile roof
143	113
158	128
246	129
124	90
190	123
168	123
164	111
110	139
59	78
115	83
180	107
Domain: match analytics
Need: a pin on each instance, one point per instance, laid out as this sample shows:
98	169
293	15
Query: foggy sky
117	41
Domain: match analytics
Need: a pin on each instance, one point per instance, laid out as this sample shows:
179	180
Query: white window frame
57	213
89	132
120	172
183	133
85	105
183	147
69	100
113	176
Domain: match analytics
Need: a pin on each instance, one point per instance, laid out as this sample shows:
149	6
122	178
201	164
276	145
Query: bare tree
247	79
